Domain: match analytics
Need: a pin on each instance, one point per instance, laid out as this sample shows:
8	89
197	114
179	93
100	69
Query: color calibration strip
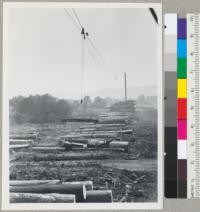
170	69
193	107
182	108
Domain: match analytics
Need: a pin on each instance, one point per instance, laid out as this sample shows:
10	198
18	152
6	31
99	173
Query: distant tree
141	100
39	109
99	102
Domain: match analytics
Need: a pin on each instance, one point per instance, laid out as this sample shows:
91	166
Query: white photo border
6	205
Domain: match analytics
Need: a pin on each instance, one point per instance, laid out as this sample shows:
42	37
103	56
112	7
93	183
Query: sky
47	53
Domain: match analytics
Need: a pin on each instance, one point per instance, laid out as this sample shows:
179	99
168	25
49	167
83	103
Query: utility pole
125	87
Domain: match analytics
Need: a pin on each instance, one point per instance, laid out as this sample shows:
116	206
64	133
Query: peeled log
99	196
79	189
41	198
18	141
19	146
31	182
119	144
96	142
22	137
113	121
48	149
70	145
81	120
76	140
124	132
88	184
71	156
90	135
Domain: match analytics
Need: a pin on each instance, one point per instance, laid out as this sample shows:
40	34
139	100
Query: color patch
182	149
182	68
182	88
182	28
182	48
182	130
182	108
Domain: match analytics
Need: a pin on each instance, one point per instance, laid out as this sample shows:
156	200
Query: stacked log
23	137
77	189
32	182
47	149
19	146
71	156
88	184
90	135
99	196
20	141
96	142
81	120
119	144
113	121
41	198
70	145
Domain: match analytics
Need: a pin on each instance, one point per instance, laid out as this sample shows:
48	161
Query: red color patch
182	109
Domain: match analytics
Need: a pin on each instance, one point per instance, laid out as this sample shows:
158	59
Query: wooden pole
41	198
99	196
78	189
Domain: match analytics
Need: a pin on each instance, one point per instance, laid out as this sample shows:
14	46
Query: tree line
46	108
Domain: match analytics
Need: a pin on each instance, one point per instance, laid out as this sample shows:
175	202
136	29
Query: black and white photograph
82	106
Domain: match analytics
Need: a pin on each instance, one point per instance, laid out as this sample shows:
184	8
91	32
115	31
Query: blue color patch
182	48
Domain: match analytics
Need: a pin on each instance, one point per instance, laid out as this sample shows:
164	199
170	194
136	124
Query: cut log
113	121
99	196
88	184
32	182
19	141
119	144
71	156
101	129
75	139
22	137
104	125
41	198
96	142
79	189
90	135
48	149
80	120
20	146
70	145
119	132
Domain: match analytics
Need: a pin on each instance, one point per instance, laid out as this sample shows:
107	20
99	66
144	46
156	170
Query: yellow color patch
182	88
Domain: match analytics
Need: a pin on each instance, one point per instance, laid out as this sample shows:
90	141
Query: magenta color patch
182	129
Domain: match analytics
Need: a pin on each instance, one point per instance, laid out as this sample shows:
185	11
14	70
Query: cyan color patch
182	48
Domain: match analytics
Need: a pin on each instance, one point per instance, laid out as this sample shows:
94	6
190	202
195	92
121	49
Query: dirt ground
132	176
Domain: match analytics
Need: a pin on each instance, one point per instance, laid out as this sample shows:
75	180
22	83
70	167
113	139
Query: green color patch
182	68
